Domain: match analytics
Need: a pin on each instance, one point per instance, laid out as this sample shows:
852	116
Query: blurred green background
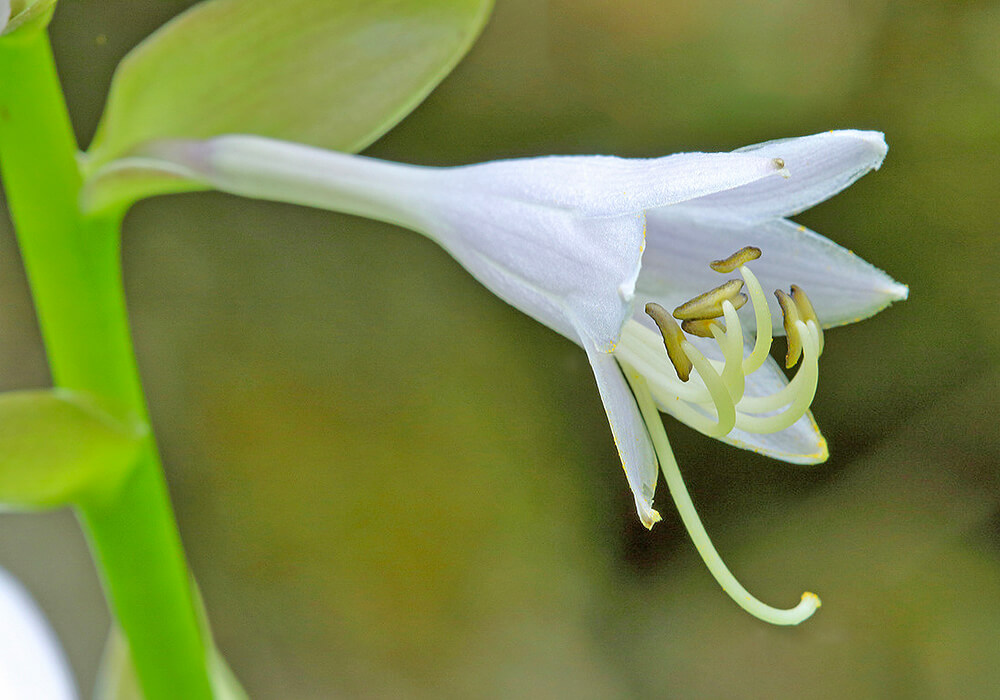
390	484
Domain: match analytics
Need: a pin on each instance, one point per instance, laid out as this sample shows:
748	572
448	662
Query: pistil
709	395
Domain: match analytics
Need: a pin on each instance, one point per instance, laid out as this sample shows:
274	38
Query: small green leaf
28	15
58	447
330	73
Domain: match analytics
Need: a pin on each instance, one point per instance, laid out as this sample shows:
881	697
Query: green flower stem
73	266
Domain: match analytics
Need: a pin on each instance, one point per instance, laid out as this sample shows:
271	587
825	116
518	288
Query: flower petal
546	262
612	186
818	167
843	288
32	664
801	443
631	437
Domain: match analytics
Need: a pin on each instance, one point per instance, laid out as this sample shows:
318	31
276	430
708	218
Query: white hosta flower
32	665
583	244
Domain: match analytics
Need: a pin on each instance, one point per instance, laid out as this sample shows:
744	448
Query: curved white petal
819	166
842	287
631	437
546	262
612	186
32	665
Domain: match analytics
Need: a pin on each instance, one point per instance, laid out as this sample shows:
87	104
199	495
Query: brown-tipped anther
709	304
672	339
702	327
779	165
738	259
806	311
791	313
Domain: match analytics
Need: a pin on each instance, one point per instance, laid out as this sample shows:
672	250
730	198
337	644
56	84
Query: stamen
672	339
702	327
671	472
738	259
709	304
732	348
725	407
762	314
643	349
803	391
717	403
806	311
791	314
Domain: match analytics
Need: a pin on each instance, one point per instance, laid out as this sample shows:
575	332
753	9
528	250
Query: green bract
330	73
117	678
58	447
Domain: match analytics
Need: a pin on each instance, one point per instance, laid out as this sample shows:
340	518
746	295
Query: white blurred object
32	664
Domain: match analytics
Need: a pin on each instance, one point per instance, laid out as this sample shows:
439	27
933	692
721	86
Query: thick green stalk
73	266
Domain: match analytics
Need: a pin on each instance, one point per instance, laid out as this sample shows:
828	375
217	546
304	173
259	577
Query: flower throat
713	401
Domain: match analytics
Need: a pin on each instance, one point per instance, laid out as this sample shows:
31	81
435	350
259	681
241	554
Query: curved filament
802	393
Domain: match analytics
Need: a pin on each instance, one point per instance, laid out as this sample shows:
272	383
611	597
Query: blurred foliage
250	66
391	484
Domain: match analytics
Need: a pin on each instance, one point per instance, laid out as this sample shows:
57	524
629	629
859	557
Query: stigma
710	394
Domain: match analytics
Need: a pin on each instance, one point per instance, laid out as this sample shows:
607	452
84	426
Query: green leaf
330	73
58	447
28	15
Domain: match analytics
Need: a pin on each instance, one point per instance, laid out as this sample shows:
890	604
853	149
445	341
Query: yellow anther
738	259
702	327
709	304
791	313
672	339
806	312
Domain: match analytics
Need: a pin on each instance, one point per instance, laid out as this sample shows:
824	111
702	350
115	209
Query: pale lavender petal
583	267
819	166
631	437
608	185
842	287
